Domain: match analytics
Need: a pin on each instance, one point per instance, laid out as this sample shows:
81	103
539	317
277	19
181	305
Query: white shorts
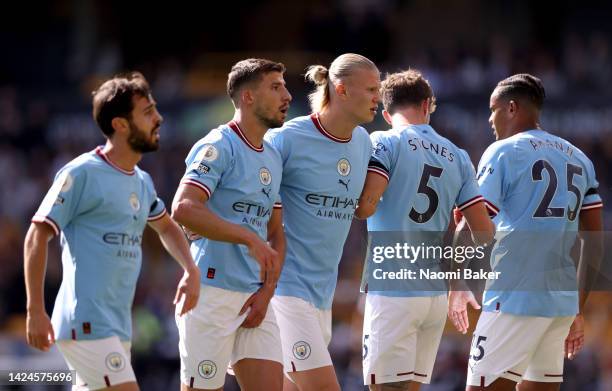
99	363
517	347
305	333
401	336
210	337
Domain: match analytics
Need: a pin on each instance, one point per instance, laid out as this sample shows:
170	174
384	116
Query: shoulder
83	164
271	150
144	176
362	136
499	149
292	126
213	144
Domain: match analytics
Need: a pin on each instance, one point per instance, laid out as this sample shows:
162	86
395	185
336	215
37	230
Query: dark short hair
522	86
114	99
249	70
403	89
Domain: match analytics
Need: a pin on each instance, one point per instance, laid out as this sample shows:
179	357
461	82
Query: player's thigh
500	384
185	387
318	379
391	327
132	386
99	363
502	347
546	365
257	357
206	337
429	337
396	386
305	333
527	385
256	374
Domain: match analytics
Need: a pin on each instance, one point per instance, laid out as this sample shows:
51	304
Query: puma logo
341	182
267	193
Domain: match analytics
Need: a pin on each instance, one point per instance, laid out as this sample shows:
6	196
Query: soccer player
542	191
228	196
100	203
325	157
415	179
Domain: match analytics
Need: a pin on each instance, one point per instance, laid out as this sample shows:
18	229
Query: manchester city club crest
134	202
207	369
301	350
115	362
209	153
344	167
264	176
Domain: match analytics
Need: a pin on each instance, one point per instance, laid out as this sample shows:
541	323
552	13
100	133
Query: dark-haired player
227	196
415	179
100	202
543	193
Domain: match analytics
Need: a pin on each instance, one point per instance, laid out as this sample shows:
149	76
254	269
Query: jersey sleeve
469	194
381	161
157	208
63	199
491	171
207	162
278	202
592	199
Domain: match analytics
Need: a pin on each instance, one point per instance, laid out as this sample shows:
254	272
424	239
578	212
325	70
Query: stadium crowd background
54	57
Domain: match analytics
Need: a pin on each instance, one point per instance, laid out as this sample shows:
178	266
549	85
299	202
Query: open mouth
284	109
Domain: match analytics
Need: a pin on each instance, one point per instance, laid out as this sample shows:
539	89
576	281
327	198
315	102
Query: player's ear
512	107
386	116
247	97
340	89
120	124
425	106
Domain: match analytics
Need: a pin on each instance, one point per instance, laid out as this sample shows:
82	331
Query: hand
188	291
457	308
258	304
575	338
266	256
39	330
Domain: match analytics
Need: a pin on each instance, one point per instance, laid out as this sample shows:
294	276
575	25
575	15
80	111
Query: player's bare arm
38	325
476	219
374	187
591	227
258	302
189	209
175	243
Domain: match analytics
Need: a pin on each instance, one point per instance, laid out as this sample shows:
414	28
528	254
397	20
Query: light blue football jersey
323	176
427	177
536	184
242	182
101	211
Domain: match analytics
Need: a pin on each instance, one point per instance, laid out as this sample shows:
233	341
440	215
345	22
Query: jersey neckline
317	123
236	128
104	157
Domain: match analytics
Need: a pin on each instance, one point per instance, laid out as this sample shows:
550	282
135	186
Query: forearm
278	242
201	220
589	266
35	264
174	242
